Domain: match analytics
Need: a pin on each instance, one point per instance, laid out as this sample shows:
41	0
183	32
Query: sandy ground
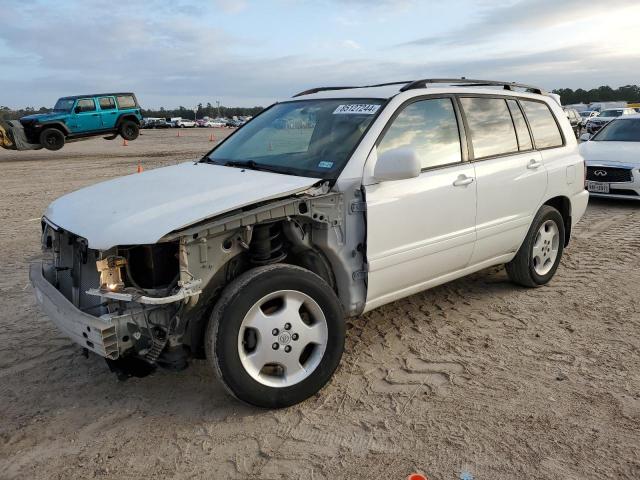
477	376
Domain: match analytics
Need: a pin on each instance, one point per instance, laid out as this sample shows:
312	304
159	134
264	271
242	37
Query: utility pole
218	104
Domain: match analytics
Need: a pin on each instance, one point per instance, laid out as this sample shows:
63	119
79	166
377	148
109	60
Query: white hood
620	152
143	207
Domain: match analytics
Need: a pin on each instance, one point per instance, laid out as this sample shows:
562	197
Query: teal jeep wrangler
83	116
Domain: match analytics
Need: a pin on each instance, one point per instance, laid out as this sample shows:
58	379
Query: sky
253	52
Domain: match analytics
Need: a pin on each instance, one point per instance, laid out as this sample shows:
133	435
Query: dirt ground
477	376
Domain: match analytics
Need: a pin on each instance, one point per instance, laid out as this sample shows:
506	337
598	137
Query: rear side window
86	105
491	128
126	101
522	131
543	125
430	128
107	103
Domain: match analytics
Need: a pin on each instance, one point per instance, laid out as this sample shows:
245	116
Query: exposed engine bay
154	300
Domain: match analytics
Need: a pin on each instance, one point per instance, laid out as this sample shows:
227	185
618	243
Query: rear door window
107	103
126	101
490	126
429	127
85	105
543	124
522	131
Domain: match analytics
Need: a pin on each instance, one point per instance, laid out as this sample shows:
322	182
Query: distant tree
604	93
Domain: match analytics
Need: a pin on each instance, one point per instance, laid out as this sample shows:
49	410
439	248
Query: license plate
598	187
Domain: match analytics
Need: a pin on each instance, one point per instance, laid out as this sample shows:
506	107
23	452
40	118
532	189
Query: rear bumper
579	204
96	334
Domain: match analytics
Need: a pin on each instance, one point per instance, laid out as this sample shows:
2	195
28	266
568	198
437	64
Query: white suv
326	205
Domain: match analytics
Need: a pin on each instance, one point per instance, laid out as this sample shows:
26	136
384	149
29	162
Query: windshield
611	113
585	114
623	130
308	138
64	105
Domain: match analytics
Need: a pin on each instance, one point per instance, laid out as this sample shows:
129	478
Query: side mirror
77	109
397	164
585	137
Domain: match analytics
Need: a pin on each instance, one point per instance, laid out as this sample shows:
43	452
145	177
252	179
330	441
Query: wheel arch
59	125
563	205
127	116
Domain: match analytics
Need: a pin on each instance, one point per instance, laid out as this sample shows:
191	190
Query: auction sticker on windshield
356	108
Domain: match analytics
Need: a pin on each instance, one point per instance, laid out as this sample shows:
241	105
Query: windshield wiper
251	165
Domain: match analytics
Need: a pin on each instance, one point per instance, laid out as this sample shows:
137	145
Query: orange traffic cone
212	138
139	168
125	143
417	476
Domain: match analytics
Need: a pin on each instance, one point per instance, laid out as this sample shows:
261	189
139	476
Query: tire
539	255
129	130
52	139
234	347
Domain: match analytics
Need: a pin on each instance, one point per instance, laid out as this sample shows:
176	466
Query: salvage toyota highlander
324	206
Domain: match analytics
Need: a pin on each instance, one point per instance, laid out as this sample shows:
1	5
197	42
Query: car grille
611	174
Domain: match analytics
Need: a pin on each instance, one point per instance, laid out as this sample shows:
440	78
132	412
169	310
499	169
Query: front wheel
539	256
275	336
52	139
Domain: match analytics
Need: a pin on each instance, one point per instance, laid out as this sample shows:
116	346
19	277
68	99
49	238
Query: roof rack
324	89
423	83
469	82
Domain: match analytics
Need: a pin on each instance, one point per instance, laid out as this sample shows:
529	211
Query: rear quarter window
126	101
546	133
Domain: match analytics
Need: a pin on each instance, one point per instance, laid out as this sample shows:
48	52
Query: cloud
352	44
231	6
172	53
522	15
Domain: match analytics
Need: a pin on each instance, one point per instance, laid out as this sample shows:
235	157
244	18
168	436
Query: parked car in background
83	116
212	124
596	123
600	106
184	123
612	157
232	123
586	115
574	119
256	253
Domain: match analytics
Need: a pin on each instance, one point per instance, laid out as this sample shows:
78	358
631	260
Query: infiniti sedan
613	159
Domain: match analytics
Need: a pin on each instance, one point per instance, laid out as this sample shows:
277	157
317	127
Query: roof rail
324	89
469	82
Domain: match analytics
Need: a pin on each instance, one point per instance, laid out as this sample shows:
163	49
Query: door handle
534	164
463	181
95	115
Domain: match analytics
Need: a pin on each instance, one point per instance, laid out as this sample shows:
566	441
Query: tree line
630	93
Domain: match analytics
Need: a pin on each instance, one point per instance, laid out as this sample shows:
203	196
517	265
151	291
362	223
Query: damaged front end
140	306
125	304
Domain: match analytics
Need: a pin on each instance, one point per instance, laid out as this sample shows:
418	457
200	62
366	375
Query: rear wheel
539	256
129	130
52	139
276	336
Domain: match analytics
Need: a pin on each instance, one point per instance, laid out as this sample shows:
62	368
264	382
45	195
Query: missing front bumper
98	334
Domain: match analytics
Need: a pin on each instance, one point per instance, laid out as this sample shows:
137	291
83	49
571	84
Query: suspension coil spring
266	244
